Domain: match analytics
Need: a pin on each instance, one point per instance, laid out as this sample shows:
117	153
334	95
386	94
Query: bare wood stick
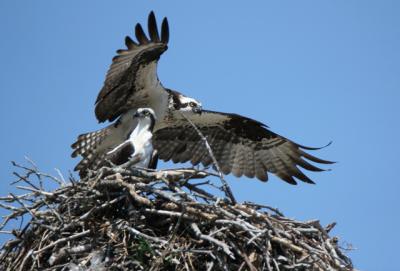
210	239
131	189
288	244
62	240
104	205
44	193
56	257
25	260
24	206
148	237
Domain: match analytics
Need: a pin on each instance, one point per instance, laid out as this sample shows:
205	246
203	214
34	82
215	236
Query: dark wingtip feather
262	177
140	35
75	144
315	159
287	178
130	44
152	27
314	148
304	164
301	176
164	31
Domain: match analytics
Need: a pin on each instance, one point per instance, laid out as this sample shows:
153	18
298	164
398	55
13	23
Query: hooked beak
197	110
136	115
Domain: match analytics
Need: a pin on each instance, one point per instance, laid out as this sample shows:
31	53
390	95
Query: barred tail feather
88	142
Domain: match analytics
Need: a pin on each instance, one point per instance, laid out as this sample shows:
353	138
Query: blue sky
314	71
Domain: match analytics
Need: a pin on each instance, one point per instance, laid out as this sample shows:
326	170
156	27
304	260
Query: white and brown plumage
242	146
136	150
131	83
132	80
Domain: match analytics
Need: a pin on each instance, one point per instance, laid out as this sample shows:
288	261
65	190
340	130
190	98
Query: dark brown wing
121	154
133	69
94	159
154	160
93	146
241	146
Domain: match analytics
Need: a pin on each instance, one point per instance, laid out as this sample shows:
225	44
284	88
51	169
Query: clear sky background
314	71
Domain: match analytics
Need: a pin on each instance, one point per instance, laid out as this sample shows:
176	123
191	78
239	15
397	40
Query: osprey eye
192	104
146	113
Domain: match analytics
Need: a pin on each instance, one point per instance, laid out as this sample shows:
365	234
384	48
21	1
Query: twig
62	240
151	238
210	239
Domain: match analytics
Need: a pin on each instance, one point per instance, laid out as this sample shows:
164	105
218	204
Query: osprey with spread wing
241	146
131	83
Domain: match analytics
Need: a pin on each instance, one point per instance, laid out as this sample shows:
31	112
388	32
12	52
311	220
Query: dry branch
154	220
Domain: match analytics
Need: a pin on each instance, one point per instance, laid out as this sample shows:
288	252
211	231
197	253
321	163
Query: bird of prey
240	145
137	150
131	83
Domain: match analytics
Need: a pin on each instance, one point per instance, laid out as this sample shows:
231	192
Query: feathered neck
143	126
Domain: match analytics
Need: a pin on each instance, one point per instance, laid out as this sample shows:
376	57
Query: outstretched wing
90	142
241	146
94	159
132	70
94	146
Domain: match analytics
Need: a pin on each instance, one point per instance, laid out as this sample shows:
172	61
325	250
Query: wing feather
250	167
89	142
121	154
152	27
237	161
261	171
164	31
132	70
242	146
140	35
130	44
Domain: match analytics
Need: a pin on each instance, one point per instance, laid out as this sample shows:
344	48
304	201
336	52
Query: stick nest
153	220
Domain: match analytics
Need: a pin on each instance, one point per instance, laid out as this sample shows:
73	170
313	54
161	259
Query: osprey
137	150
131	83
241	146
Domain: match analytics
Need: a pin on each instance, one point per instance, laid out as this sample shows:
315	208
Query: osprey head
187	104
145	113
146	117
